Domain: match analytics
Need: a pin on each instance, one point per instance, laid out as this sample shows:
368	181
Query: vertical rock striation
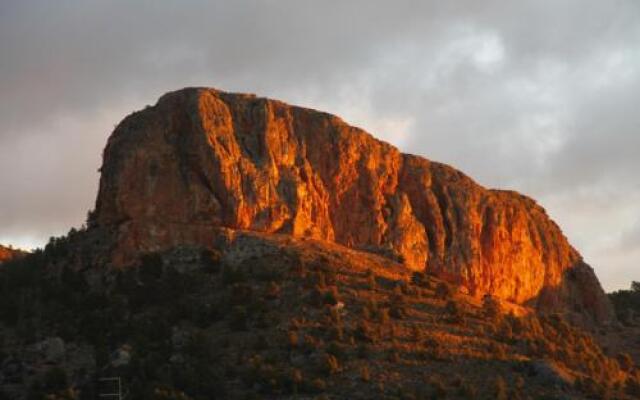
201	159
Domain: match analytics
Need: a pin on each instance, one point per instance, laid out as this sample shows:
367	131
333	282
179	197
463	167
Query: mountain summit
202	159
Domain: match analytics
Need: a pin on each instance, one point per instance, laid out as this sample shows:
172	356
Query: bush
397	304
490	307
241	293
329	364
330	297
500	389
397	312
318	385
453	311
371	280
150	268
443	291
273	291
231	275
238	319
625	361
364	332
293	340
296	379
438	390
365	375
210	260
55	379
632	387
419	278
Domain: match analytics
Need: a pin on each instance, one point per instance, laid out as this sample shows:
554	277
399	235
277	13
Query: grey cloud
631	239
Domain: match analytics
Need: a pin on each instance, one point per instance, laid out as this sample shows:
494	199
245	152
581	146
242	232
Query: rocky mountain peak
201	159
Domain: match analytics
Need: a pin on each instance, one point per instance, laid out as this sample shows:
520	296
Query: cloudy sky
538	96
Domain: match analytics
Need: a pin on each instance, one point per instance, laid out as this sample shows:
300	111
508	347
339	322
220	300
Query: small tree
635	286
453	311
500	389
490	306
443	291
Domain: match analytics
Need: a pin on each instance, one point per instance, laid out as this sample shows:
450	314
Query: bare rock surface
202	159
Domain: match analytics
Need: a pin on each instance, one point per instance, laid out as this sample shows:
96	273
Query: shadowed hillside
270	316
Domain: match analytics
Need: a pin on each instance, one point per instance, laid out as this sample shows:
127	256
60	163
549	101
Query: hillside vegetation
306	320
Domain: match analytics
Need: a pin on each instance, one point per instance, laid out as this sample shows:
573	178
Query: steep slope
201	158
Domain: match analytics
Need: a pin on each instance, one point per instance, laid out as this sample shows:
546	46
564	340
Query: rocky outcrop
201	158
9	253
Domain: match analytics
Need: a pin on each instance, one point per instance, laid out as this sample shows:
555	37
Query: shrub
371	280
336	333
370	310
260	343
365	375
419	278
337	350
241	293
500	389
362	351
334	315
310	343
150	268
397	312
397	304
443	291
625	361
231	275
497	351
416	333
632	387
319	385
439	391
490	307
320	280
329	364
330	297
238	319
434	350
55	379
394	357
315	297
454	314
467	390
293	340
273	291
296	379
210	260
364	332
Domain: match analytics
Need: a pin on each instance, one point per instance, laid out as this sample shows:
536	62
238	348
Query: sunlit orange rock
201	158
8	253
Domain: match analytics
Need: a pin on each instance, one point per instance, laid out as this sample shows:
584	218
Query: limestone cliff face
202	158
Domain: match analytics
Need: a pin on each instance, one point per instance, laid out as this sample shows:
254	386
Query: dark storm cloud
536	96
